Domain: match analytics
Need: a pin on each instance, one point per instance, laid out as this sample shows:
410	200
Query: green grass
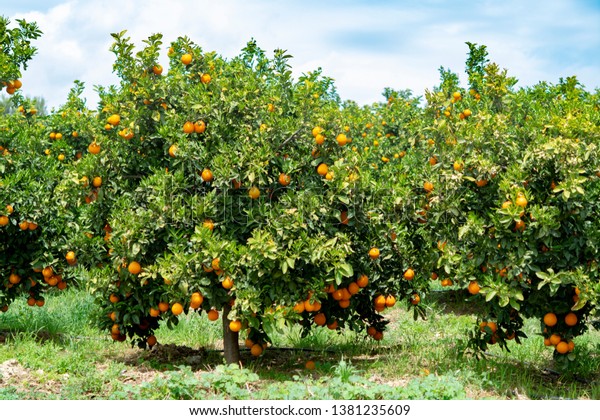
54	352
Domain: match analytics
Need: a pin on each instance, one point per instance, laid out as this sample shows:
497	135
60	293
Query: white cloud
364	45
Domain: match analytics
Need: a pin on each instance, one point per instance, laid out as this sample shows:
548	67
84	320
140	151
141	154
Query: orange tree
518	218
234	191
29	224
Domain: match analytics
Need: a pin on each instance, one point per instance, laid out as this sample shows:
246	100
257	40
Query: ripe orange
134	268
216	263
207	175
333	325
284	179
199	127
188	127
320	319
378	336
151	341
474	287
114	120
379	300
235	325
344	303
310	365
24	225
374	253
316	131
555	339
71	258
571	345
254	193
208	224
47	272
409	274
353	288
173	150
227	283
322	169
154	312
428	186
456	96
213	315
415	299
14	278
521	201
94	148
196	300
177	309
3	220
550	319
270	107
458	166
157	69
371	330
467	113
390	301
362	280
186	59
319	139
571	319
481	182
163	306
562	347
299	307
342	139
205	78
256	350
519	226
97	182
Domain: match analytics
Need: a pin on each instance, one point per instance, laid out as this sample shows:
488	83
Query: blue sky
364	45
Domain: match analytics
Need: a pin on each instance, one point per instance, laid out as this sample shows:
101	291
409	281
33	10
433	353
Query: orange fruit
256	350
208	224
114	120
481	182
316	131
344	217
205	78
235	325
506	204
378	336
3	220
362	280
473	287
157	69
320	319
571	345
207	175
199	127
371	330
521	201
254	193
319	139
196	300
24	225
94	148
213	315
341	139
216	263
248	343
173	150
333	325
467	113
71	258
571	319
555	339
550	319
310	365
163	306
562	347
14	278
97	182
154	312
458	166
344	303
270	107
299	307
284	179
186	59
428	186
379	300
177	309
134	268
188	127
151	341
374	253
415	299
409	274
322	169
390	301
227	283
353	288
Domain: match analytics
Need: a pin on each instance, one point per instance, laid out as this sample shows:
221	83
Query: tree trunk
231	343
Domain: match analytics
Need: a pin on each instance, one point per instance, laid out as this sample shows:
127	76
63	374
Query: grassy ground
54	352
